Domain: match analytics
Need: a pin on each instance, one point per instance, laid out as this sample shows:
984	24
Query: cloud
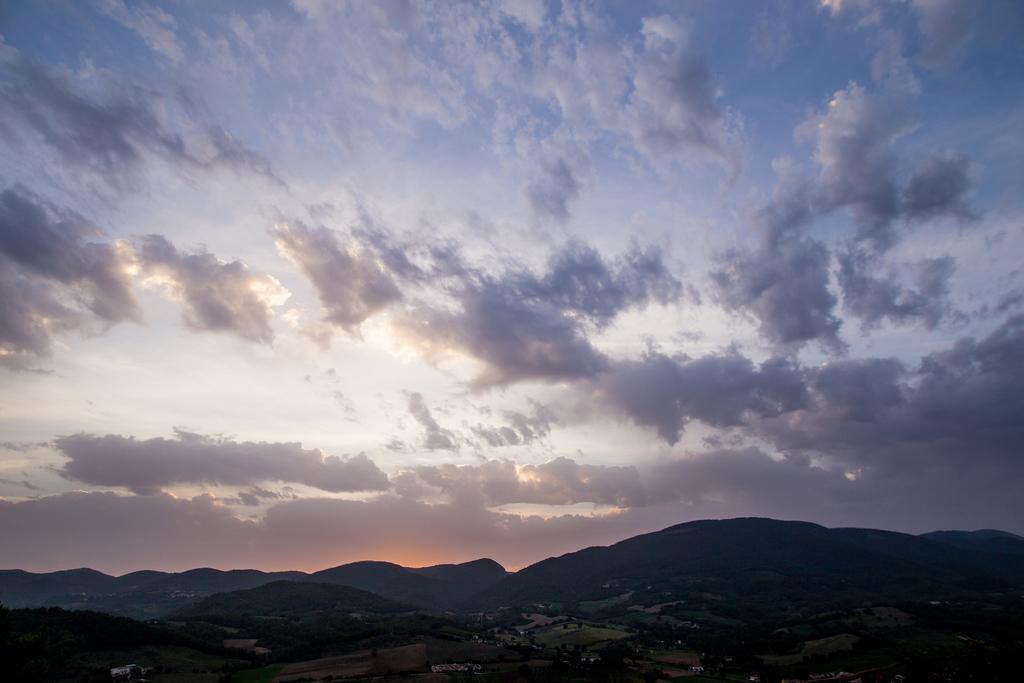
836	7
529	13
514	339
53	279
188	458
945	26
784	285
673	107
873	299
954	414
436	437
388	71
112	136
939	188
216	296
120	533
783	282
854	141
853	149
858	390
561	481
520	428
352	283
720	390
522	326
90	529
153	25
549	194
257	496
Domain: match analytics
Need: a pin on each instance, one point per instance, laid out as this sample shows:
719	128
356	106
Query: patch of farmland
439	651
655	609
676	657
553	636
597	605
821	646
404	659
537	620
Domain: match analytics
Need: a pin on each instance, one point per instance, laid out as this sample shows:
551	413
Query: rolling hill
293	599
747	568
440	586
984	540
154	594
738	568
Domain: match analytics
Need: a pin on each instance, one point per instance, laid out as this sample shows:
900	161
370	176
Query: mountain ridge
761	561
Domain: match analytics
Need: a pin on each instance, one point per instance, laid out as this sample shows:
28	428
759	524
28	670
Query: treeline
43	644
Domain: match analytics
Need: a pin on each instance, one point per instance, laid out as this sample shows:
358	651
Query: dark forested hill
292	599
985	540
157	594
752	565
25	589
442	586
760	566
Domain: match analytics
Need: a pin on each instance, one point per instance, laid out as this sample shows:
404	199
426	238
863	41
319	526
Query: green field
597	605
262	675
811	648
588	635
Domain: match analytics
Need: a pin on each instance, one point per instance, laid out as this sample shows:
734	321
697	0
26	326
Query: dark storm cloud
958	410
874	298
149	464
522	326
435	437
53	279
111	135
722	391
351	282
216	296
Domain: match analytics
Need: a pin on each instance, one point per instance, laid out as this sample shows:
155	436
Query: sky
290	284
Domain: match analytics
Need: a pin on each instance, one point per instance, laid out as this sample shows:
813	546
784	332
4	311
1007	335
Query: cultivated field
405	659
555	635
820	646
411	658
676	657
